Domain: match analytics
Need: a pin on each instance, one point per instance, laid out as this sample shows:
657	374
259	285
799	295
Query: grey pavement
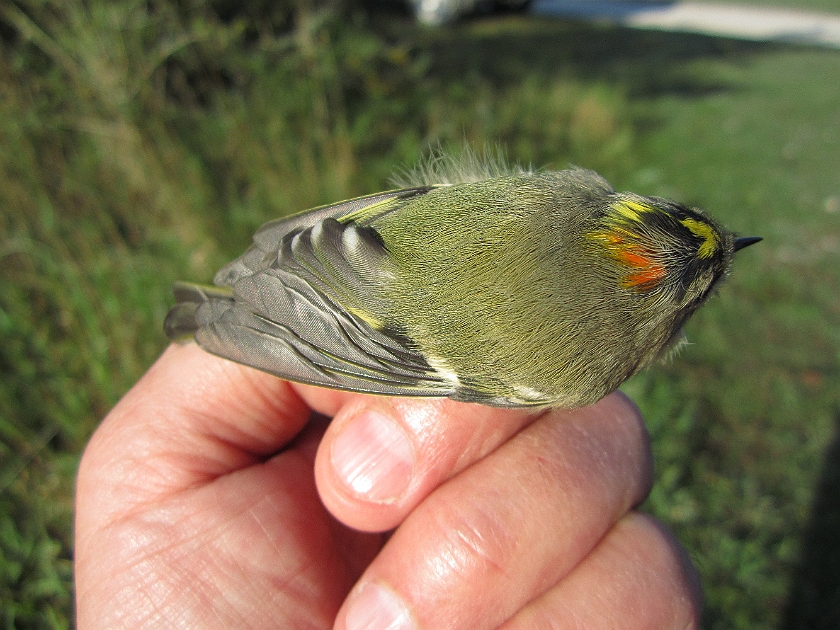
736	21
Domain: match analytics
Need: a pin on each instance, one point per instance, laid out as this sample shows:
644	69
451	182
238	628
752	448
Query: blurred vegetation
145	141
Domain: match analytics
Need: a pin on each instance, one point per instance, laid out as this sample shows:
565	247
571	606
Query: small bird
477	281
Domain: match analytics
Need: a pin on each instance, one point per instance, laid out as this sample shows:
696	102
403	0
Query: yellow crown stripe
632	209
705	232
617	239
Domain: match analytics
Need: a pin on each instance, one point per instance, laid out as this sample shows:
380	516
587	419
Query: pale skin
209	499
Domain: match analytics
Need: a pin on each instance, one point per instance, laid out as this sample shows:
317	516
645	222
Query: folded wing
305	303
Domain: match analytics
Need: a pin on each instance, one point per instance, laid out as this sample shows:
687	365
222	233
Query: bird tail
181	322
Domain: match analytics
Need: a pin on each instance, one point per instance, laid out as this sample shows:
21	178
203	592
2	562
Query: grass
144	142
761	150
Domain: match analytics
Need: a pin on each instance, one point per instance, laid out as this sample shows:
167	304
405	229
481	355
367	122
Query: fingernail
377	608
374	458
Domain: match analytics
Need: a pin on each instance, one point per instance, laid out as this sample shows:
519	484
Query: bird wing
303	301
361	210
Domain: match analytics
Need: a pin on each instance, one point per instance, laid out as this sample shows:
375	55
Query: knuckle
473	542
602	450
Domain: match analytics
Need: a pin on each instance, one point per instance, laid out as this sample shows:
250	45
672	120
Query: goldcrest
479	282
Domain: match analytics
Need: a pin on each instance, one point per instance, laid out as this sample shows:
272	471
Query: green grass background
142	142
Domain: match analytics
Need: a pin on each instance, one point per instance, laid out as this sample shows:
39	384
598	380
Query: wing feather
306	304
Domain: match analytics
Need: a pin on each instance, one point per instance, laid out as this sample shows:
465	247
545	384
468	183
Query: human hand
200	504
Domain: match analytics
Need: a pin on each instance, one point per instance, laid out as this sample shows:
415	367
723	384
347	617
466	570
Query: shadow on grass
646	63
814	602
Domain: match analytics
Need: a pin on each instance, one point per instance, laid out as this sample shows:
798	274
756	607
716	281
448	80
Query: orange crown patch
624	243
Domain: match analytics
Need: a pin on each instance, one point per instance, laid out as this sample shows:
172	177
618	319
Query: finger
638	576
191	418
325	401
381	456
509	527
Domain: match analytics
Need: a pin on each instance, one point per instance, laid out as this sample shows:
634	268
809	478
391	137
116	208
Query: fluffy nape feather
465	166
